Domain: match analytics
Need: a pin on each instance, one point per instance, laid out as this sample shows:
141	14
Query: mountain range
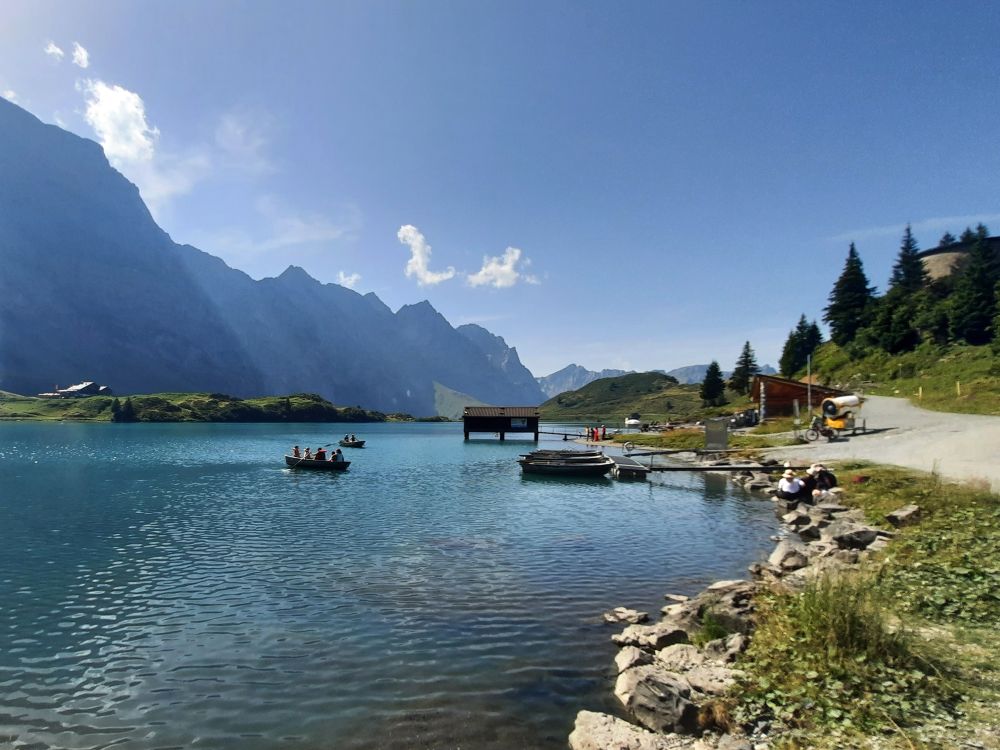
92	289
573	377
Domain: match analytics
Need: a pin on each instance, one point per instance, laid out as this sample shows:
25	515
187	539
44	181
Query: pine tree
802	342
128	411
968	235
116	410
894	325
746	368
908	274
947	239
973	303
713	387
850	300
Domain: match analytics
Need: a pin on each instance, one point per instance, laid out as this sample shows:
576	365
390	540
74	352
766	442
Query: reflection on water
175	586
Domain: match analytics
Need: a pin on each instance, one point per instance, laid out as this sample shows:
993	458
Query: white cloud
9	94
954	224
301	228
420	256
242	140
283	231
501	271
348	280
118	117
54	52
81	58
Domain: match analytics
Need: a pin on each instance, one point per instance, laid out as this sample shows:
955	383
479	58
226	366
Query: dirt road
957	446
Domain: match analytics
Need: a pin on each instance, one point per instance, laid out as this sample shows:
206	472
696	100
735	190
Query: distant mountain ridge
696	373
573	377
91	288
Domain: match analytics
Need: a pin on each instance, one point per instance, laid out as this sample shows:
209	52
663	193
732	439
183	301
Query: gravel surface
961	447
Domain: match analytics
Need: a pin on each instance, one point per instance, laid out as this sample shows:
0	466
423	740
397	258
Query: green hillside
654	396
187	407
957	377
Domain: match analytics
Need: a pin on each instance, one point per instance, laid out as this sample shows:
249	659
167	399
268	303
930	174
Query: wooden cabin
501	420
776	396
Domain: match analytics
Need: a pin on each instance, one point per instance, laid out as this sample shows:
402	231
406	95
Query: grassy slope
188	407
451	403
906	649
935	369
657	397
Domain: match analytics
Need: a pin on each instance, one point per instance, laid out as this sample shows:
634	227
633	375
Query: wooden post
958	388
763	400
502	435
920	393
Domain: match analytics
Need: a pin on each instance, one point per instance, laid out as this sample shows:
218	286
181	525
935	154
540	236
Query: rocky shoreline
668	686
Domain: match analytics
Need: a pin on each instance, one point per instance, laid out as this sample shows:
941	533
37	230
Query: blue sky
635	185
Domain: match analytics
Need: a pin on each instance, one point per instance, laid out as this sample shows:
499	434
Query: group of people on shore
319	455
596	433
814	487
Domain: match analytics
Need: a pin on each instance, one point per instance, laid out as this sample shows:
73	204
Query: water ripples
172	586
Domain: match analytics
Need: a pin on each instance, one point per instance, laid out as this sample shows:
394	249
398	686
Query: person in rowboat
309	454
296	452
321	454
337	455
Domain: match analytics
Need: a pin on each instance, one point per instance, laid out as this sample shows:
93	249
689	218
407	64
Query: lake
175	586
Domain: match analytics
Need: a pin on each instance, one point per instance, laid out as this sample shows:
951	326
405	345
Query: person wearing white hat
790	487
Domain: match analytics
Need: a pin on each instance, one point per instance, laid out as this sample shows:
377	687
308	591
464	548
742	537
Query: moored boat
311	463
593	466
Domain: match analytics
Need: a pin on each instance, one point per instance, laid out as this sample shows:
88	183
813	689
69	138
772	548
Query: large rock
680	657
651	637
658	699
905	516
623	614
630	656
594	731
711	679
849	535
788	556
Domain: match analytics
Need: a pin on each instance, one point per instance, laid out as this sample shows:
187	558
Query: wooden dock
628	468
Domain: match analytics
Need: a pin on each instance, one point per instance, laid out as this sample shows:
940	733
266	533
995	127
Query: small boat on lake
312	463
566	463
352	443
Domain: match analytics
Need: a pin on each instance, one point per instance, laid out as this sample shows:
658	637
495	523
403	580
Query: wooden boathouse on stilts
501	420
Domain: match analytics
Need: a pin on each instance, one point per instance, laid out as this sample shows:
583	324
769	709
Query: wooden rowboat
597	467
312	463
352	443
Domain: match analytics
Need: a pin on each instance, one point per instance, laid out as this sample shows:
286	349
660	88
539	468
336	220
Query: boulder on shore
657	698
594	731
905	516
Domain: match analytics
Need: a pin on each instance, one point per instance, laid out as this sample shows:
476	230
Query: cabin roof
501	411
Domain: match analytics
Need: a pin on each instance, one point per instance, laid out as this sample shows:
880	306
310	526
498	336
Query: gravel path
957	446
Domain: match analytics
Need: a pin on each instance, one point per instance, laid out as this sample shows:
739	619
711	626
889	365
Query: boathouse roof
501	411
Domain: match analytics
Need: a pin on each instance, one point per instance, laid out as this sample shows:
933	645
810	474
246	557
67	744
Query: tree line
963	307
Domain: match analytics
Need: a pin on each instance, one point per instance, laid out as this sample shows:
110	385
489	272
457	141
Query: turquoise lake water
173	586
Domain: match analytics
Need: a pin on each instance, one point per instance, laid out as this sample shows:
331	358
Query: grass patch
188	407
956	378
693	439
906	649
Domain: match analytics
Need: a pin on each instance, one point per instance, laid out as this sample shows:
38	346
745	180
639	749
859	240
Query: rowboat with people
313	463
352	443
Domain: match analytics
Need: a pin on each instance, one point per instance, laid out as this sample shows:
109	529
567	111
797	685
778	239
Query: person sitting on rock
790	487
825	479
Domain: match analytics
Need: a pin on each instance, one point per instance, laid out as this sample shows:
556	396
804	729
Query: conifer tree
128	411
947	239
968	235
850	300
116	410
713	387
894	326
908	273
802	341
973	303
746	368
